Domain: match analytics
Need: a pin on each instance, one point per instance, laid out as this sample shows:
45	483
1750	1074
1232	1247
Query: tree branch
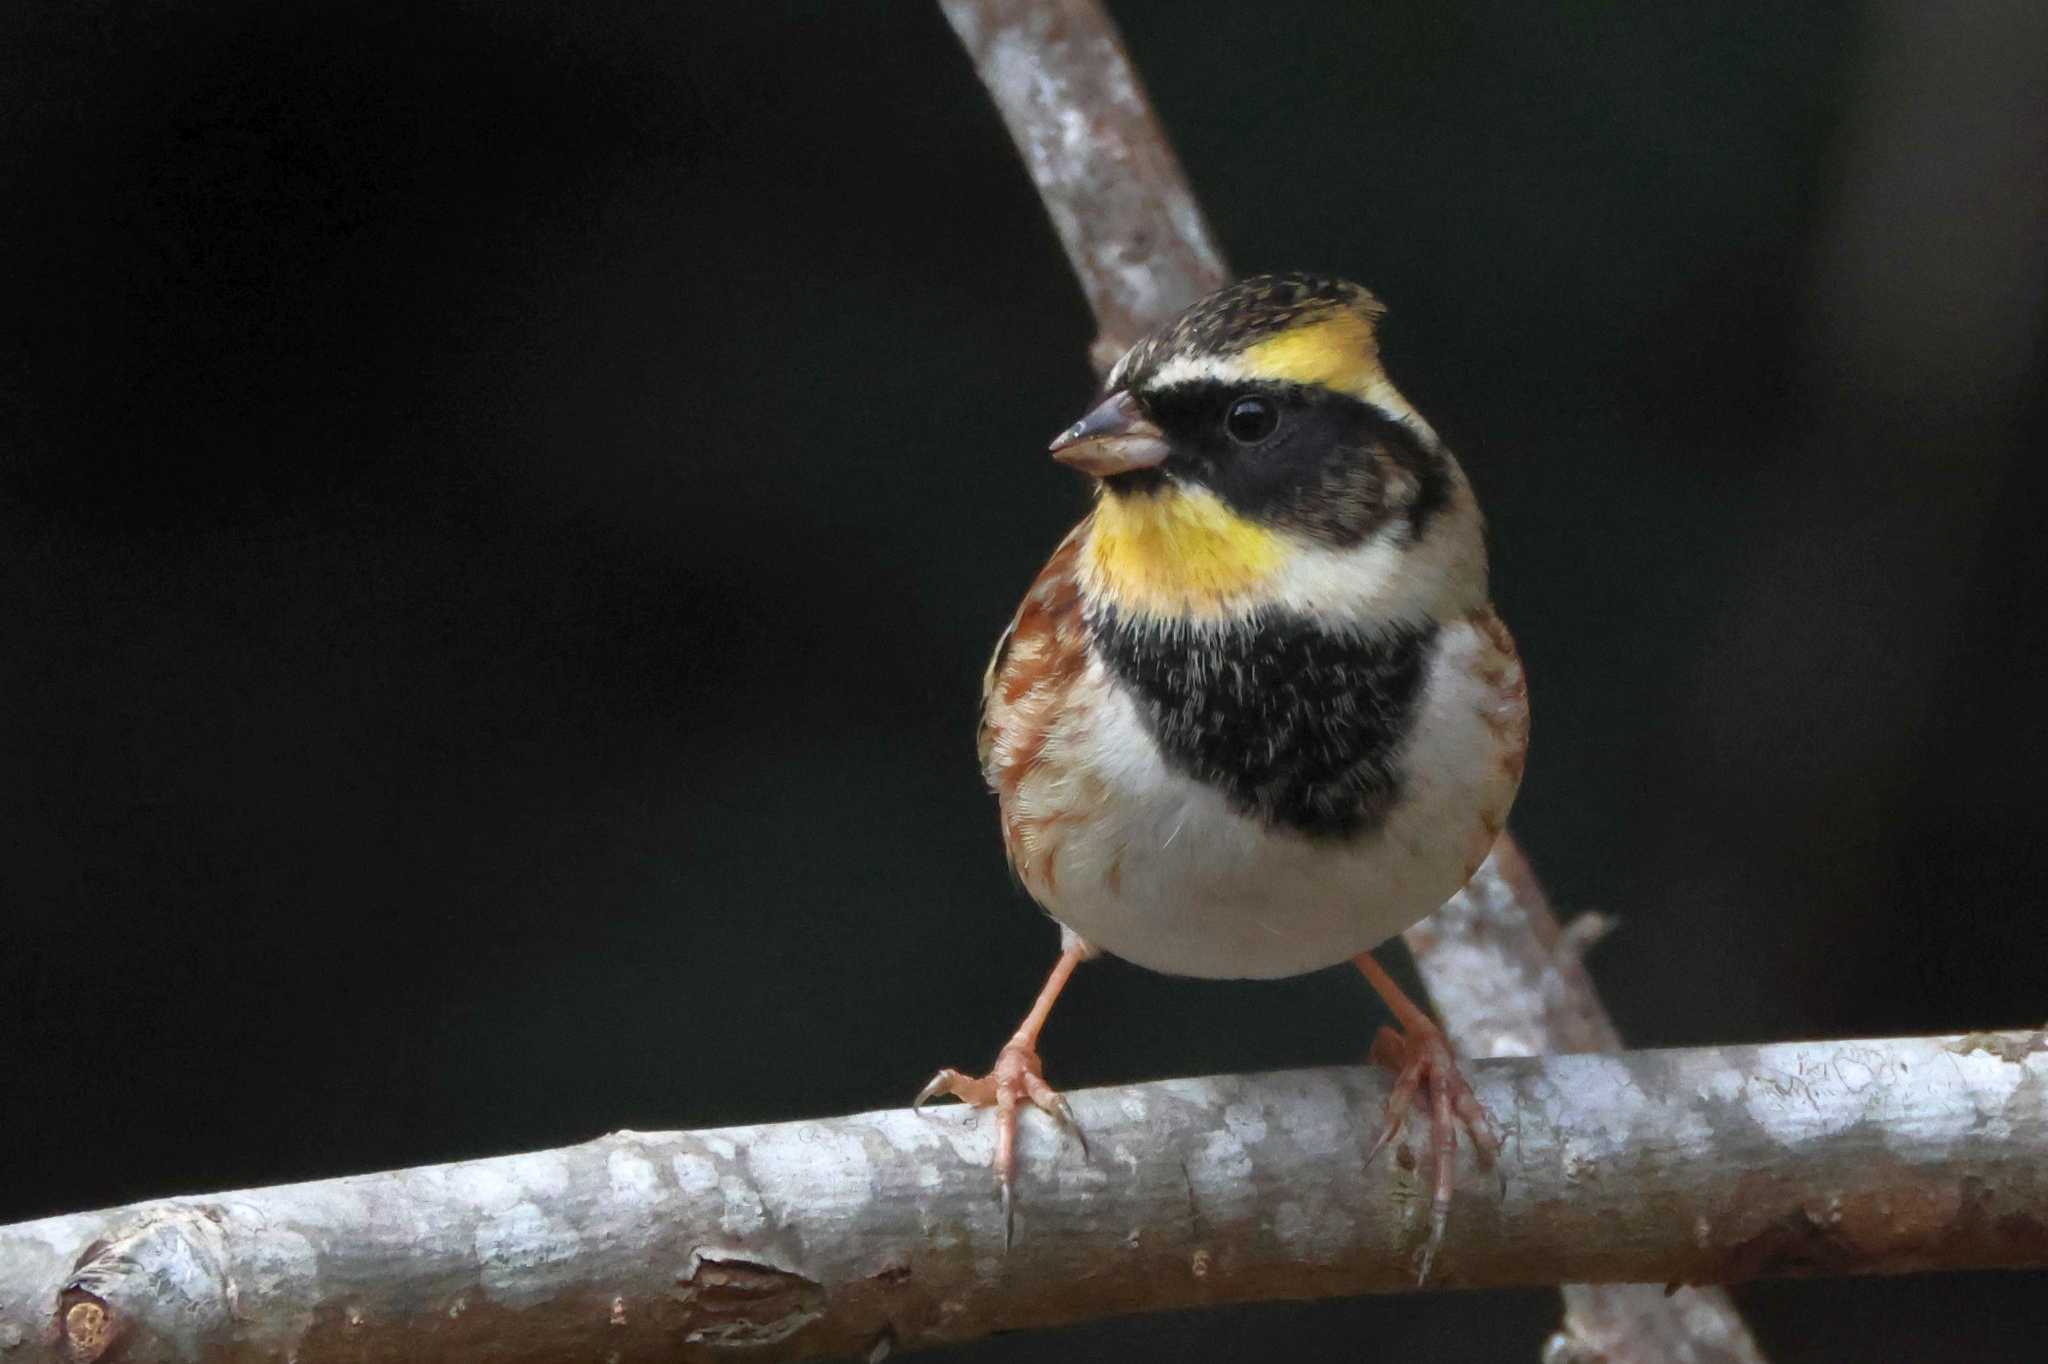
1503	978
835	1237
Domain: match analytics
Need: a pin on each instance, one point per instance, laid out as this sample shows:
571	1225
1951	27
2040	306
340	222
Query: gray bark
836	1237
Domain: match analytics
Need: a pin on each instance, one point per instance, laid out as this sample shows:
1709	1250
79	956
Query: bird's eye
1251	419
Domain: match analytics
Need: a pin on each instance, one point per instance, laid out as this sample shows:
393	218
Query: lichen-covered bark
797	1240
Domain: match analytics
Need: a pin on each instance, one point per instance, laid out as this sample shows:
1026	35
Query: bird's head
1252	452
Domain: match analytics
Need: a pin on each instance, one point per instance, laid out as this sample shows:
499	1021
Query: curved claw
1074	1126
1380	1142
936	1086
1014	1077
1053	1103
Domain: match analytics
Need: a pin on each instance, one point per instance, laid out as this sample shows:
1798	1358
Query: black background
505	509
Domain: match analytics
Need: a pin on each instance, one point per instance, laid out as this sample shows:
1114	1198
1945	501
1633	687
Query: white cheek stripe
1387	578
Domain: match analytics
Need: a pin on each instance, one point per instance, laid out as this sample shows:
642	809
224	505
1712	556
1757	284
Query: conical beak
1116	438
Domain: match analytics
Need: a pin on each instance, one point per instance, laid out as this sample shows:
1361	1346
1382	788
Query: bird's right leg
1425	1067
1016	1076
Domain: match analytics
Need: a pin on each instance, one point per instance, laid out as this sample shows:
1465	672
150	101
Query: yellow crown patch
1337	351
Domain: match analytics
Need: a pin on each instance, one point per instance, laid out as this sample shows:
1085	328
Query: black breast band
1293	724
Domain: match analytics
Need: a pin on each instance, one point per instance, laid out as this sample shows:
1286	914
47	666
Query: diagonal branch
834	1237
1141	250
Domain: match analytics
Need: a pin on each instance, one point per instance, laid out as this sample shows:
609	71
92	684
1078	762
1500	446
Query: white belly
1164	874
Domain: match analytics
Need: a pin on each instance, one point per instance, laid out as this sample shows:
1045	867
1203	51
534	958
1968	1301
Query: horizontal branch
835	1237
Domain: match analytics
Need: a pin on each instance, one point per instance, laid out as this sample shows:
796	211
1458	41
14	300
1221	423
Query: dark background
506	507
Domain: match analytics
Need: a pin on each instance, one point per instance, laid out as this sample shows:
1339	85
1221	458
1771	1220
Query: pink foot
1017	1075
1423	1064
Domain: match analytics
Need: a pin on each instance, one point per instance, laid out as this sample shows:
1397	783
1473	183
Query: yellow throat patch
1179	551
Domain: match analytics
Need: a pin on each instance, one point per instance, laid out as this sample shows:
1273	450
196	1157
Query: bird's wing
984	738
1029	654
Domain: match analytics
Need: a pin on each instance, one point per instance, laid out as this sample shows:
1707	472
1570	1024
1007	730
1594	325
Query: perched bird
1257	713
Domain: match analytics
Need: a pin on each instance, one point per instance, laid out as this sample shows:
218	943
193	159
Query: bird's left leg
1422	1061
1017	1075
